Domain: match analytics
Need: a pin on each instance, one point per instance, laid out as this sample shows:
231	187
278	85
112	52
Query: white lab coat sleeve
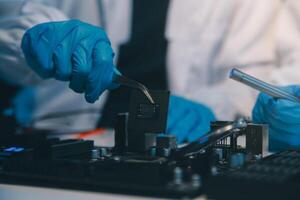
16	17
288	45
229	99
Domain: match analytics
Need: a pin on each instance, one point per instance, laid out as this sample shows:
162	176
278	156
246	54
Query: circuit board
143	161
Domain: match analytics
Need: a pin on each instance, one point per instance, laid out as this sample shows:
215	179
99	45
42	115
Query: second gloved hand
283	118
188	120
71	51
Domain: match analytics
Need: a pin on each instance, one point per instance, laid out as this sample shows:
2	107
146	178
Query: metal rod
213	137
262	86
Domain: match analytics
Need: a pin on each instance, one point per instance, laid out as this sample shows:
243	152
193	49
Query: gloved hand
283	117
188	120
71	51
24	105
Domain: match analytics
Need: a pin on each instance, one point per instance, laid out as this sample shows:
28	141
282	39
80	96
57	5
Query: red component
98	131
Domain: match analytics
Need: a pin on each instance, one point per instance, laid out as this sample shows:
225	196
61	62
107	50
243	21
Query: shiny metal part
178	176
238	124
213	137
122	80
259	85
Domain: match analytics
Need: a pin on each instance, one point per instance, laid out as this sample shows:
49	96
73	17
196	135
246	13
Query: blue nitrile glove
24	105
71	51
188	120
283	117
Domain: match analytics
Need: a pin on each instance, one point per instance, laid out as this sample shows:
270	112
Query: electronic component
274	177
145	117
121	133
146	120
257	139
147	111
153	166
166	141
146	161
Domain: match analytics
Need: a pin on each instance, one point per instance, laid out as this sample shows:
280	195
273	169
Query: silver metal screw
178	176
95	154
166	152
196	180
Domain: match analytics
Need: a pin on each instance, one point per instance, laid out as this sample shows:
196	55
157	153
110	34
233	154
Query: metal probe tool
259	85
215	135
122	80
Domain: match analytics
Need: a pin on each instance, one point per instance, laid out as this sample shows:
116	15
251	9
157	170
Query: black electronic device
275	177
144	160
145	119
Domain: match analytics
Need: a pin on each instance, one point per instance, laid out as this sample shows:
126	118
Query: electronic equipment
143	161
274	177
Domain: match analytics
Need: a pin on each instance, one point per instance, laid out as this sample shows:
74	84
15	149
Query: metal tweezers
122	80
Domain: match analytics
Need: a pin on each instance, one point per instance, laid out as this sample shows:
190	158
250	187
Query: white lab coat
205	39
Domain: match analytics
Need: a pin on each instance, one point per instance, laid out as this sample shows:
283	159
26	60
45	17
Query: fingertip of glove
90	99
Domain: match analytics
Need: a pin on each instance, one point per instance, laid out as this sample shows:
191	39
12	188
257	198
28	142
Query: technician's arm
16	17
